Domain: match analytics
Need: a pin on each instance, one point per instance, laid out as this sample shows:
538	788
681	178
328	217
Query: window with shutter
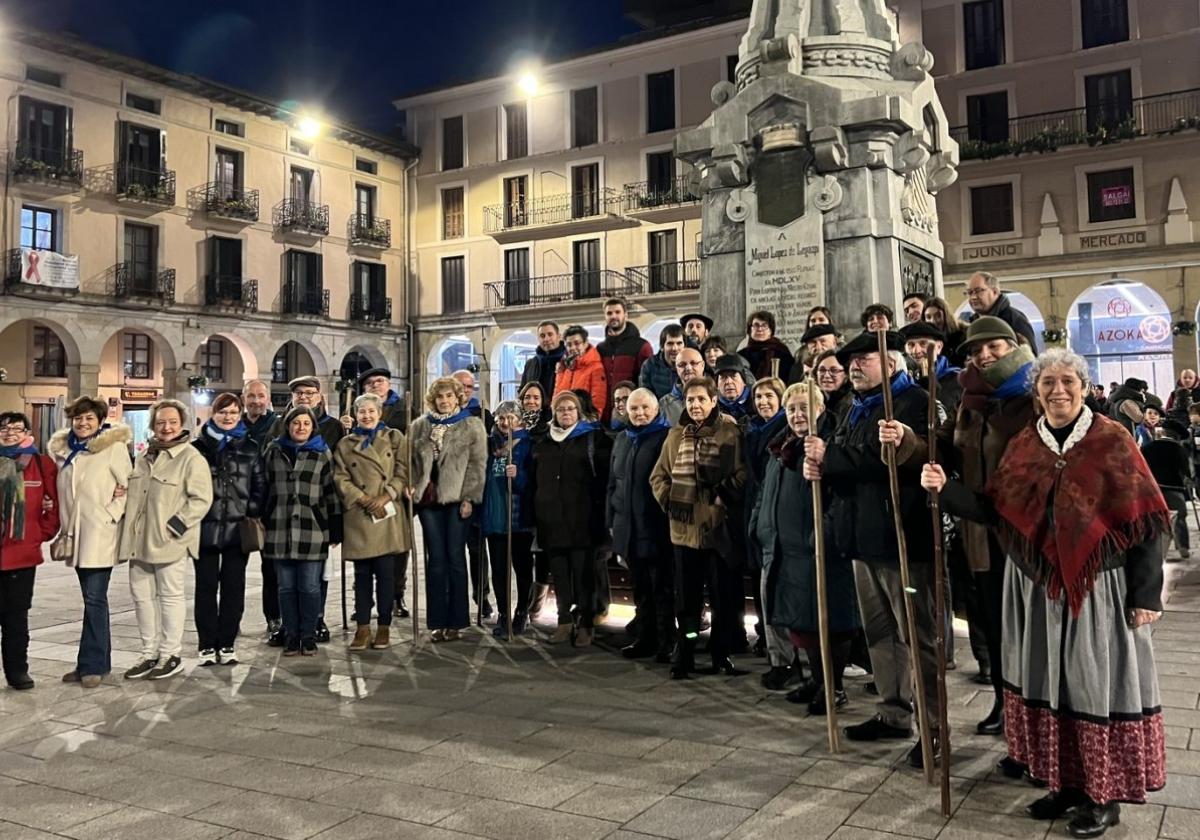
991	209
454	291
660	101
585	117
452	143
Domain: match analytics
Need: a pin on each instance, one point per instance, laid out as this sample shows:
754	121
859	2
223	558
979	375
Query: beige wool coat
167	500
85	493
381	468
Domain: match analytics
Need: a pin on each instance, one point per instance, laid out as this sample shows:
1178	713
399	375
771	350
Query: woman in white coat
170	491
93	471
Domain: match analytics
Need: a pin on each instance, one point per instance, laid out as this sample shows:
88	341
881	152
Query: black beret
362	379
868	342
922	329
816	331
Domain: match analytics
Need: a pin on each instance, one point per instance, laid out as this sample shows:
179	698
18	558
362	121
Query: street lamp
309	127
528	83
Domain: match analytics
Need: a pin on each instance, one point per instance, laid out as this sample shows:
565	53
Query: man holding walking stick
861	513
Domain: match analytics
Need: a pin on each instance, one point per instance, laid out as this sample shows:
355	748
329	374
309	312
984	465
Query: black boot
401	607
1092	820
1054	805
684	662
993	724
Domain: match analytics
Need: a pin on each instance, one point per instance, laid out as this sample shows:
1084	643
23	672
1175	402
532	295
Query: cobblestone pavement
482	739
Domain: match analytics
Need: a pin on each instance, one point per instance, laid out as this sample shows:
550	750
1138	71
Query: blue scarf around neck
76	445
582	428
862	406
368	435
636	433
1015	385
943	368
315	443
17	450
392	399
739	407
225	437
462	414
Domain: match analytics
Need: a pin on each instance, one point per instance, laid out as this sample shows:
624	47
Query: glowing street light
528	83
309	127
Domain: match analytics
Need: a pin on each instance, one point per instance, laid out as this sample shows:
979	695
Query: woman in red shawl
1081	517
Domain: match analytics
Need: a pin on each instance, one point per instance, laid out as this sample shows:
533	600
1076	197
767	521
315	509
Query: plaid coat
303	514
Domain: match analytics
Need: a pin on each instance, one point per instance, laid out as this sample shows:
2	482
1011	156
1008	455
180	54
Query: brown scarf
1065	512
698	458
155	446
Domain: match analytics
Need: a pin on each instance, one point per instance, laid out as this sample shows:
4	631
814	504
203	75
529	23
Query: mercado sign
1116	239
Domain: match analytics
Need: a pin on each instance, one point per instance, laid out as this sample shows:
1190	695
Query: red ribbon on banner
33	272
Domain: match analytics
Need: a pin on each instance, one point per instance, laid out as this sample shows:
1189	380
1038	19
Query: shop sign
139	394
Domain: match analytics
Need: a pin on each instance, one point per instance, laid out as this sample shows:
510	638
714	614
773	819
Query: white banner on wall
47	268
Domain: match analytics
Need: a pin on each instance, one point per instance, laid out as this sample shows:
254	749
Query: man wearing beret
862	527
378	381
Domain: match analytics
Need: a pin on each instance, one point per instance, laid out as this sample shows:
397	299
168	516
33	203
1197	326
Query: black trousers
522	550
989	587
401	575
695	570
270	591
477	562
220	596
575	585
16	597
374	586
541	567
731	581
654	597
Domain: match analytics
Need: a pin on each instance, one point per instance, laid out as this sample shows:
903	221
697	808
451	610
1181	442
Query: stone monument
818	168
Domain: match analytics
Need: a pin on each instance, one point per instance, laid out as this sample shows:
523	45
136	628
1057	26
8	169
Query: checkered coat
303	514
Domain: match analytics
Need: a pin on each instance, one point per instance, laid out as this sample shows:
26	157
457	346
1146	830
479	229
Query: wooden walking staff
822	591
914	650
414	557
508	587
939	586
347	386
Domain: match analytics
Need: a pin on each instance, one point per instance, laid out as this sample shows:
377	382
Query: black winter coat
782	528
1170	463
639	526
260	430
570	482
1015	318
239	487
861	506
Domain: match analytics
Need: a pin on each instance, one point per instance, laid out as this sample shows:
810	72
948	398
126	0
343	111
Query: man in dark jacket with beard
541	366
259	418
863	528
623	350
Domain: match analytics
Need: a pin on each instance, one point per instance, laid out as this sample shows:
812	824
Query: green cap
987	328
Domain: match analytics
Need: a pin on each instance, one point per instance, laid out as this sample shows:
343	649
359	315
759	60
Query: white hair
898	360
643	392
1060	357
363	399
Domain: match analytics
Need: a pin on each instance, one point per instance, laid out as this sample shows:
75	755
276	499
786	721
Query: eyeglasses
972	293
830	372
305	392
682	363
13	428
621	399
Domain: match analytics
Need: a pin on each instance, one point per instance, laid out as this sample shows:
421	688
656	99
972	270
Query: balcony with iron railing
1148	116
299	215
148	185
300	298
132	282
558	288
665	277
225	201
32	276
369	231
231	291
370	311
661	200
47	166
575	212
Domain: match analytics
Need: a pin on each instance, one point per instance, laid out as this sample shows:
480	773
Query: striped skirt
1081	703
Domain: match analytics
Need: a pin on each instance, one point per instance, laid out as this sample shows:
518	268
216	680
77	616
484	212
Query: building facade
1079	129
165	236
540	195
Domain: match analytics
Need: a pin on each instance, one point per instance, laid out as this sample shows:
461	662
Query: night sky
347	57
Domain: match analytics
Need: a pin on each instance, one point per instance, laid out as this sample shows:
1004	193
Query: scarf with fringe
1067	510
698	458
13	460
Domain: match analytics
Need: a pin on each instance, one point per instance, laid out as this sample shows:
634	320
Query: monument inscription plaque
785	271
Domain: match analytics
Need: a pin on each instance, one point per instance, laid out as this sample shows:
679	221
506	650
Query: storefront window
1123	329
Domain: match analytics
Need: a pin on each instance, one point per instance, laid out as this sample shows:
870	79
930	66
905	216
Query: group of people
696	467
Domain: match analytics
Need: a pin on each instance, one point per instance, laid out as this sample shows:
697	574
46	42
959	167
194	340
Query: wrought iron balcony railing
367	310
1161	114
550	210
302	216
232	291
650	195
130	282
47	165
228	202
147	184
370	231
12	267
304	299
666	277
558	288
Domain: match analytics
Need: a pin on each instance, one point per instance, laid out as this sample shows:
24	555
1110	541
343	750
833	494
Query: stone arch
39	396
1123	328
237	371
367	357
509	354
70	343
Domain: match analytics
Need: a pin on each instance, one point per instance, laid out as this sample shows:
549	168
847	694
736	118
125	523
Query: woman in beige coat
93	471
170	491
370	471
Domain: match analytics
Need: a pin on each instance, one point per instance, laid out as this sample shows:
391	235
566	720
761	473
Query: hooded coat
85	492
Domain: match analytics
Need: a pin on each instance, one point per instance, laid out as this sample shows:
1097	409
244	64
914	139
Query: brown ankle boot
383	637
362	637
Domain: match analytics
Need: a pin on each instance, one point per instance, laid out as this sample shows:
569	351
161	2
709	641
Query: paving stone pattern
483	739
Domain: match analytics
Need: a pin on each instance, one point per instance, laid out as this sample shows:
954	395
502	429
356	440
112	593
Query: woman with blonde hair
450	463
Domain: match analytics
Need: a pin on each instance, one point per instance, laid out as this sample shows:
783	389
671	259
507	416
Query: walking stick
414	558
939	570
347	403
822	591
508	581
775	368
918	680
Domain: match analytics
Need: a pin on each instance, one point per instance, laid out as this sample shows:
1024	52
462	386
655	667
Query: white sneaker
228	656
854	671
208	656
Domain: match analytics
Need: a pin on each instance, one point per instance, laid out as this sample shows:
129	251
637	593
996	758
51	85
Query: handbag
253	535
63	548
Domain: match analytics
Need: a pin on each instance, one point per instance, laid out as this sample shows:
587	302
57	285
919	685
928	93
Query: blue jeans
95	642
378	574
299	597
445	567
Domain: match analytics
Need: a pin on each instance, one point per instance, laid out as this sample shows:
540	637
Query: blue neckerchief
862	406
368	435
738	407
473	404
677	391
635	433
76	445
943	368
617	424
582	428
392	399
758	422
463	414
316	443
1015	385
17	450
498	444
222	436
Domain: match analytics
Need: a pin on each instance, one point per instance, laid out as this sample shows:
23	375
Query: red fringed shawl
1063	517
